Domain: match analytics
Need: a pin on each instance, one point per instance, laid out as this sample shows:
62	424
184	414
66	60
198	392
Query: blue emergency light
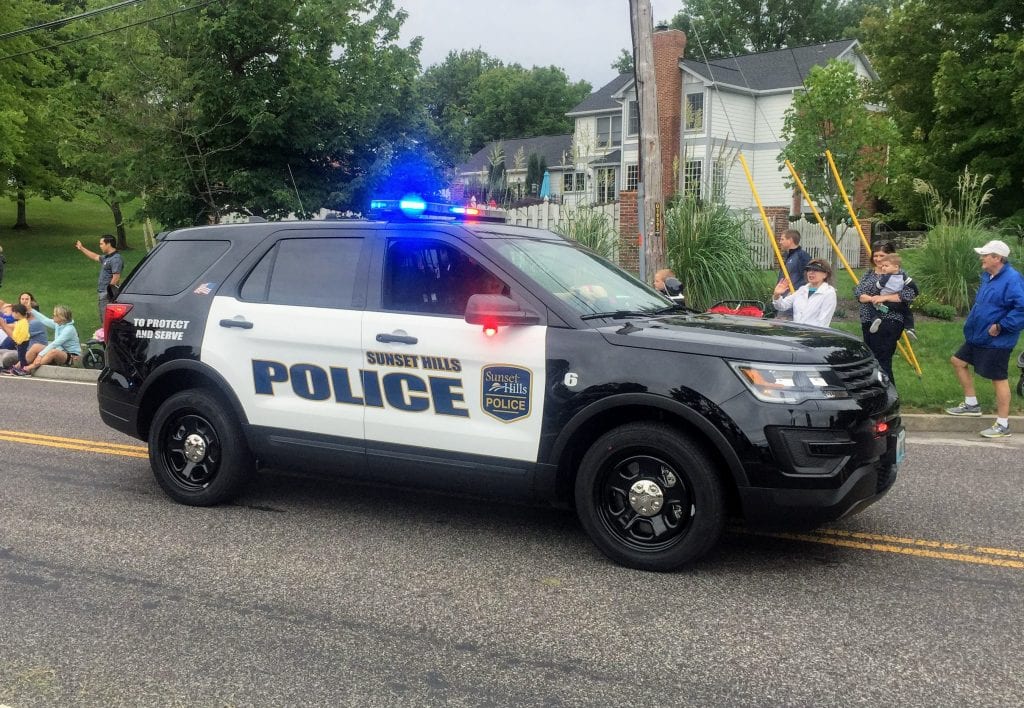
413	207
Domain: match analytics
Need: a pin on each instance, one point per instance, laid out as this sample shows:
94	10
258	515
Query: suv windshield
584	281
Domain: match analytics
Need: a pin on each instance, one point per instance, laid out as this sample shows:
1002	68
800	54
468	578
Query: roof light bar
413	207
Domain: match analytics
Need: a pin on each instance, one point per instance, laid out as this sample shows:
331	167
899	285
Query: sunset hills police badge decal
505	391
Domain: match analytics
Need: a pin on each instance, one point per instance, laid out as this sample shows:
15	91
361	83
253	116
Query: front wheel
649	497
197	451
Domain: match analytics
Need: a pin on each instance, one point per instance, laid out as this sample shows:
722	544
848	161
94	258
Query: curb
67	373
914	422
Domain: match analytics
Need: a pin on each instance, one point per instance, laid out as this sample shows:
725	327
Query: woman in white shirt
813	303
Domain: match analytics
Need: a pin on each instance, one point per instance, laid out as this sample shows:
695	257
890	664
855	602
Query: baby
891	282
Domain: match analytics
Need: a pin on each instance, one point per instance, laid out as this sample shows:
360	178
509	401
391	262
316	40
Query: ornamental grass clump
706	248
948	266
590	228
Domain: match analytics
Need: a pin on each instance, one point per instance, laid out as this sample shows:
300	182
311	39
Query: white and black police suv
480	357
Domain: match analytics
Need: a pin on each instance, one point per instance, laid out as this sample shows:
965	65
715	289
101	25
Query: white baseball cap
994	247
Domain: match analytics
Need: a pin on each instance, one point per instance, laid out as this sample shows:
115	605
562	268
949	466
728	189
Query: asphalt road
312	592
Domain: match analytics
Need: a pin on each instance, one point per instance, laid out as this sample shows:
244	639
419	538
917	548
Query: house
472	175
707	112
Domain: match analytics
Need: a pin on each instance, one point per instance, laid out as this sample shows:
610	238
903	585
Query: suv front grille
861	379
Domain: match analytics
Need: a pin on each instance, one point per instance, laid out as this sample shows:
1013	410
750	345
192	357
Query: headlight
784	383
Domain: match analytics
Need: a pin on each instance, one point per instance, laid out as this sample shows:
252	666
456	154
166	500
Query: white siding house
728	105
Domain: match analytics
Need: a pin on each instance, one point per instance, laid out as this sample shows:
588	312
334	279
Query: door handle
396	338
241	324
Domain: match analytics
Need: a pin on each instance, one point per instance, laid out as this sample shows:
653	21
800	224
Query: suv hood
731	337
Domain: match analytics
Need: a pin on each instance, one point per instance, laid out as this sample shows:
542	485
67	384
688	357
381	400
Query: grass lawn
43	260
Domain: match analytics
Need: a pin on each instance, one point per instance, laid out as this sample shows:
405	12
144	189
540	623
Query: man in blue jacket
990	333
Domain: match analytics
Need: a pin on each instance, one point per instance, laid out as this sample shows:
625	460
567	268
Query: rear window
174	266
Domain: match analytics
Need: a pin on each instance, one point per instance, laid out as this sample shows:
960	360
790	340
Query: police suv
484	358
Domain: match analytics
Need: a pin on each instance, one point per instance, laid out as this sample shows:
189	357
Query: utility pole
653	203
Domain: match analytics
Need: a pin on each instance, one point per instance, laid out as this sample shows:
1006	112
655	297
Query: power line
109	31
60	23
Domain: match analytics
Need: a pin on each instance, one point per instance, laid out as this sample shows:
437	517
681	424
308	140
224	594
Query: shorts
988	362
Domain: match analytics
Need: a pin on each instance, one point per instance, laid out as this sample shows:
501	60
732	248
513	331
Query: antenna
295	187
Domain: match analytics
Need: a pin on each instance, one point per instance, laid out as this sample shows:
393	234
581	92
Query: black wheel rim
649	532
180	434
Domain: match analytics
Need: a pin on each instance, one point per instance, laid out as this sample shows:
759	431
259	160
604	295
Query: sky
583	37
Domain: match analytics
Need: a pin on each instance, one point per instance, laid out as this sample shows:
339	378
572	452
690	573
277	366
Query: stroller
94	351
739	308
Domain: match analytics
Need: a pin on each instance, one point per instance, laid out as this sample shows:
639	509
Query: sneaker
912	334
875	325
964	409
996	431
18	371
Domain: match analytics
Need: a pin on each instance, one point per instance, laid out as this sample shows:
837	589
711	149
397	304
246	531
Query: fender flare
160	374
714	436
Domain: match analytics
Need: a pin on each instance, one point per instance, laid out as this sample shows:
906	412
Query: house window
609	131
573	182
694	111
581	182
691	177
633	122
605	177
632	177
719	173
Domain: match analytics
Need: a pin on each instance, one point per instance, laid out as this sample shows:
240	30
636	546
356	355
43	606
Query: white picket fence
549	214
812	239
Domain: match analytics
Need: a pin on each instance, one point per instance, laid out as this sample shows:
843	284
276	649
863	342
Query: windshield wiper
617	315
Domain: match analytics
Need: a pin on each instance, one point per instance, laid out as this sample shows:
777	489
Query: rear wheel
649	497
197	451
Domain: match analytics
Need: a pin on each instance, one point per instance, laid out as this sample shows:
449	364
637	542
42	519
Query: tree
951	76
264	106
445	91
513	102
723	28
624	63
831	115
31	110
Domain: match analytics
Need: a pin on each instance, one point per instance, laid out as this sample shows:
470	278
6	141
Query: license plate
901	446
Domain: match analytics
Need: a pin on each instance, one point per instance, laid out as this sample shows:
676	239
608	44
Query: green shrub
935	309
948	266
707	250
592	229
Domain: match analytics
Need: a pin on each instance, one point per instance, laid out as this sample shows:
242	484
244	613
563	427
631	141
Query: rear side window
174	266
314	272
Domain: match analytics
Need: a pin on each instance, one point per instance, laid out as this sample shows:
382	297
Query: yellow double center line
104	448
983	555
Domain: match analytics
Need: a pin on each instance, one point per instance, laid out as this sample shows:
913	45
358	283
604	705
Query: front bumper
864	484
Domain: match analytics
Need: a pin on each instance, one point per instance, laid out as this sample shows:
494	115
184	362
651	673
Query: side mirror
497	311
673	286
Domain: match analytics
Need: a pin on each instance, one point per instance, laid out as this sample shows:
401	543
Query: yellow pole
846	200
905	347
767	224
821	222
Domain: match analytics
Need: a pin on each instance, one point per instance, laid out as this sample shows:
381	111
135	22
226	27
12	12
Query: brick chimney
669	46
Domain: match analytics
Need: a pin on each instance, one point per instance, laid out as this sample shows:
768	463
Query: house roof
604	98
777	69
552	148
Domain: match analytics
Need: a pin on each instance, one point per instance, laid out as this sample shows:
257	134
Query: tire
92	358
640	532
197	423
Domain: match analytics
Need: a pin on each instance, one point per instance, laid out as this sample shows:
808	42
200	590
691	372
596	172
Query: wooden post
652	224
